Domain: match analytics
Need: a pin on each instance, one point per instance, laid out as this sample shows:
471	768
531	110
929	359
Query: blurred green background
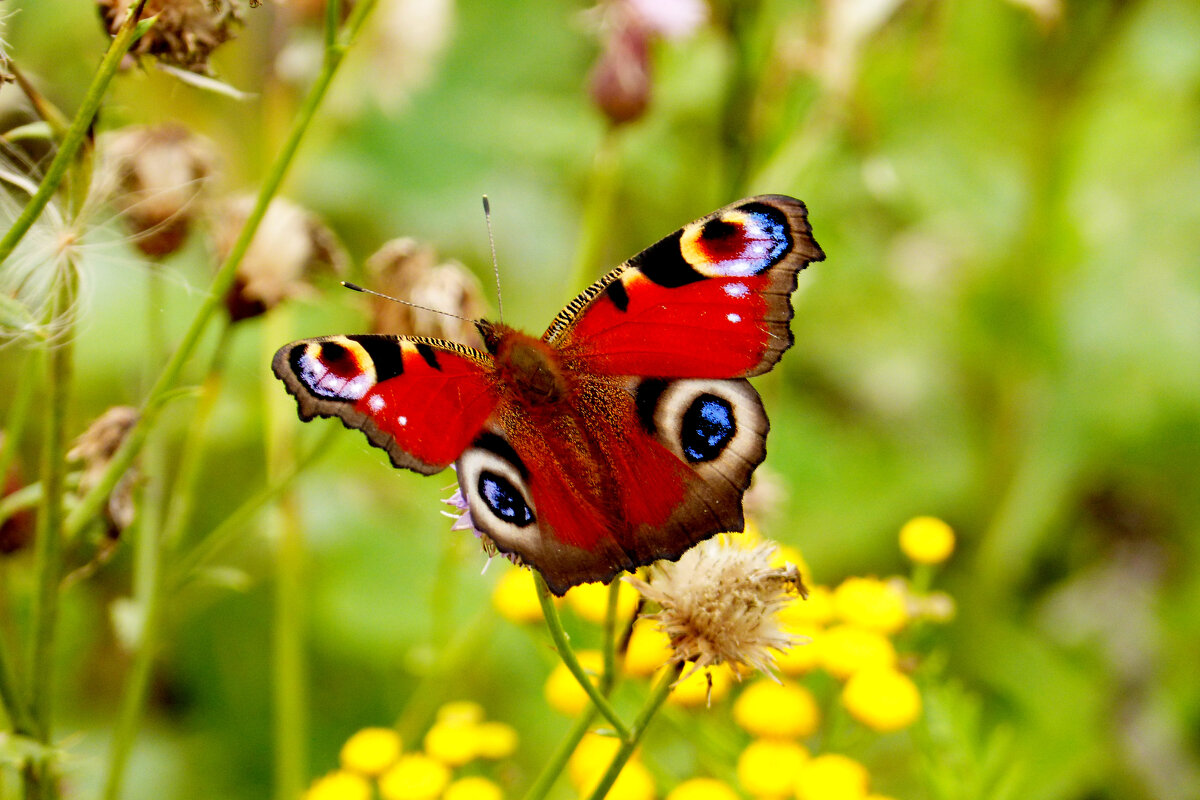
1006	334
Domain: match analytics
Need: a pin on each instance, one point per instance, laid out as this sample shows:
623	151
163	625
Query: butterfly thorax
528	365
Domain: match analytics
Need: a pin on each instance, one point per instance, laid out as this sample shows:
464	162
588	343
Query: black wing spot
646	400
499	446
429	355
719	229
617	294
503	499
708	426
385	354
664	264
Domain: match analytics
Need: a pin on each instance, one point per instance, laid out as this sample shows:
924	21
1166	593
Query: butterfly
623	435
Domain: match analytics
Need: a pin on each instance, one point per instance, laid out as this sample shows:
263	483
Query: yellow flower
339	785
845	649
371	751
832	777
414	777
495	740
768	768
805	655
563	692
473	788
591	758
777	710
633	783
882	698
460	711
590	601
927	540
649	648
870	603
701	686
452	743
515	596
702	789
817	609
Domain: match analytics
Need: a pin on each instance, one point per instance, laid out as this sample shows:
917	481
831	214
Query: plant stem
629	743
94	500
597	213
40	779
559	635
554	767
128	33
288	666
610	637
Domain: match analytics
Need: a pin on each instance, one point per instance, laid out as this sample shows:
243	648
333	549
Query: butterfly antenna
354	287
487	215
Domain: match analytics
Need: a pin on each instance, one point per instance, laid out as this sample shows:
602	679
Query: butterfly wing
629	471
422	400
712	300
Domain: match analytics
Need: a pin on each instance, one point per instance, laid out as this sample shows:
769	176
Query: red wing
712	300
422	400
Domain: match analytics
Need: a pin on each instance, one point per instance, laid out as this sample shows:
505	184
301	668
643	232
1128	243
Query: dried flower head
408	270
719	603
289	243
158	175
95	448
185	32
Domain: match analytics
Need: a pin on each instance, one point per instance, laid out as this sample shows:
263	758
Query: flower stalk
559	635
658	696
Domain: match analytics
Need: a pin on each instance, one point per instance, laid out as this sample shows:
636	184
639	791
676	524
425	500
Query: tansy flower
563	691
777	710
768	768
832	777
805	655
339	785
649	648
816	608
473	788
870	603
453	743
700	687
634	782
720	604
495	740
845	649
702	789
927	540
882	698
591	758
414	777
590	601
461	711
370	751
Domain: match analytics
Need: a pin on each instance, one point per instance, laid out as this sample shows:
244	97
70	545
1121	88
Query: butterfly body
624	434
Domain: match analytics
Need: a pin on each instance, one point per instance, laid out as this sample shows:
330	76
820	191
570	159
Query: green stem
559	635
128	33
40	779
18	416
554	767
629	743
214	298
187	566
288	666
610	637
597	213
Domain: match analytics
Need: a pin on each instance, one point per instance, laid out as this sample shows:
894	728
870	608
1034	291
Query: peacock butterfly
626	433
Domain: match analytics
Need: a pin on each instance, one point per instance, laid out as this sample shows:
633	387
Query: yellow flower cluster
375	757
590	761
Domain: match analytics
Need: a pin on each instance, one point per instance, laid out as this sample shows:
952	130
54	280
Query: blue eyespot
708	427
504	499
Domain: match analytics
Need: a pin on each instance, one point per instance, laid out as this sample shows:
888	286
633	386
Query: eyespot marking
708	427
742	242
503	499
334	370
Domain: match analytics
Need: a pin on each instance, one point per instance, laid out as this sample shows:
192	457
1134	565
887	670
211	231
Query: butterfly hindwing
422	400
634	471
712	300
